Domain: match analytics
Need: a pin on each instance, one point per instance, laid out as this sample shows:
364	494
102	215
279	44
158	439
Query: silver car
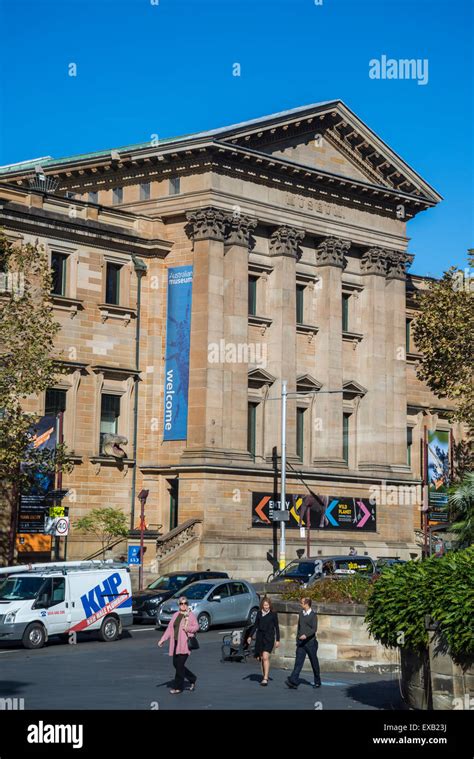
215	603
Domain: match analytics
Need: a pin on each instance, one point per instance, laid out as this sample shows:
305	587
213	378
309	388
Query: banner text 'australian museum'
178	324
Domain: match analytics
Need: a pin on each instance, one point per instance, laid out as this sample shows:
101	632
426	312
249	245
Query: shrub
350	590
441	589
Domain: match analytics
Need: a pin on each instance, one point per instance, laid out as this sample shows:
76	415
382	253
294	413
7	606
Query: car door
221	611
242	600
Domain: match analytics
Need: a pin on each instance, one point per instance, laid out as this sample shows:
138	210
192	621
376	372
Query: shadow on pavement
384	694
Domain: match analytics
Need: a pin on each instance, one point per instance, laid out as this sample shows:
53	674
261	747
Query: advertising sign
334	512
178	325
438	475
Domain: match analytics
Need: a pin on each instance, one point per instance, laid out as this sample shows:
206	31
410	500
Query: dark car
146	603
309	570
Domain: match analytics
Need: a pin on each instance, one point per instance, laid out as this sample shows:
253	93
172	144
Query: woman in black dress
267	637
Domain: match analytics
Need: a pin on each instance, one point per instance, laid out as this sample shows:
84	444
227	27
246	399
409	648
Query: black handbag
193	643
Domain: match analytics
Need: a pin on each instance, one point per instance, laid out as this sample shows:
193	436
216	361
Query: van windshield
20	588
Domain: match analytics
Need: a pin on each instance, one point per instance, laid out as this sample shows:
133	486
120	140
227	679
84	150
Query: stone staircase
178	549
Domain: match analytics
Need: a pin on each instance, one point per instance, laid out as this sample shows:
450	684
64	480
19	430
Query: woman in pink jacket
181	625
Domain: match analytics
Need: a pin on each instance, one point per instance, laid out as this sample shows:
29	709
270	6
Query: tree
27	367
106	524
461	503
443	332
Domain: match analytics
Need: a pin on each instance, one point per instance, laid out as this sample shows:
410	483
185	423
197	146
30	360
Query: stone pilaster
206	228
284	249
330	260
395	303
372	442
237	350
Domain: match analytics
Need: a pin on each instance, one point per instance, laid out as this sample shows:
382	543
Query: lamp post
142	496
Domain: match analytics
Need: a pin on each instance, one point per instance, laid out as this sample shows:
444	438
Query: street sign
62	526
31	520
134	555
280	515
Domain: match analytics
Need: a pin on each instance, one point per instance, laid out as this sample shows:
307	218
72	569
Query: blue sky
165	67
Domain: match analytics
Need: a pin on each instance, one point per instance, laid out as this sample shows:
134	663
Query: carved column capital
331	252
239	230
285	241
206	224
398	264
374	261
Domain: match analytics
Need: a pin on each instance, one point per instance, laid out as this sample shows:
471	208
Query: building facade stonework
295	226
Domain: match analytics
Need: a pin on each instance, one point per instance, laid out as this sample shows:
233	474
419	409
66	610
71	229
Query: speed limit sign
62	526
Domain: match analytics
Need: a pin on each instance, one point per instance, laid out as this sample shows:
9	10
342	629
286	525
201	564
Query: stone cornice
330	252
285	241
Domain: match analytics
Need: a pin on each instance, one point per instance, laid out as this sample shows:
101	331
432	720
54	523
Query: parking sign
134	554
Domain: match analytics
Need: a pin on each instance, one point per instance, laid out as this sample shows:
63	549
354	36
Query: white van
39	600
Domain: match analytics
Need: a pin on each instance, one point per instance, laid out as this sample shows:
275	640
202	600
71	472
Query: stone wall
344	642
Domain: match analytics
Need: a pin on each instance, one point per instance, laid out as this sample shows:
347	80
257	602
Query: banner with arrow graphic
331	513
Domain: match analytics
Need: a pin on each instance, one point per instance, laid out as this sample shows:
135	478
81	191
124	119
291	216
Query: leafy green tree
106	524
443	331
461	504
27	367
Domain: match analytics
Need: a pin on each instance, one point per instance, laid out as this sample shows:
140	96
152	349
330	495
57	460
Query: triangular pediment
352	389
259	377
330	137
307	383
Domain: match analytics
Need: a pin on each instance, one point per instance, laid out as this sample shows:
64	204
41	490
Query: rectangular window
59	267
252	296
407	335
345	312
252	428
55	402
109	416
345	437
300	304
174	186
93	197
112	284
300	412
117	196
145	191
409	444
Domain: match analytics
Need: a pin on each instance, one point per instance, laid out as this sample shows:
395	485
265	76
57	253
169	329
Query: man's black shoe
317	685
290	684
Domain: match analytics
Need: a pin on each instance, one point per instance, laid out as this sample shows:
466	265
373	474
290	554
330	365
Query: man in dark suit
306	645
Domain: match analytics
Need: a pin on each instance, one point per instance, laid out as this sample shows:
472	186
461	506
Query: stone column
395	300
373	367
283	244
237	351
206	229
328	448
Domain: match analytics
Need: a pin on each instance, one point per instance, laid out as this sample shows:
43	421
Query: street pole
283	475
142	496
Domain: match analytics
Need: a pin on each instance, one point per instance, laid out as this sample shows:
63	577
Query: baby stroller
235	647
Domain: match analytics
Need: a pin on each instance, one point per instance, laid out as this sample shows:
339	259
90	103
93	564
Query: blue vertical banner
178	329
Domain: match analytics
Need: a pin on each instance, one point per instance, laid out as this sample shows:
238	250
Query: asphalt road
133	673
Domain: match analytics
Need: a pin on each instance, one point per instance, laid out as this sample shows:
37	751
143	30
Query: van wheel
34	636
110	629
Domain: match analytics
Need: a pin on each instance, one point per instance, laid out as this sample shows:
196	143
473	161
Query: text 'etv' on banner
178	328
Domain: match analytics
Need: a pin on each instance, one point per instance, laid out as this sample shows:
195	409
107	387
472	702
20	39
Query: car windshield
196	592
20	588
298	569
169	583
